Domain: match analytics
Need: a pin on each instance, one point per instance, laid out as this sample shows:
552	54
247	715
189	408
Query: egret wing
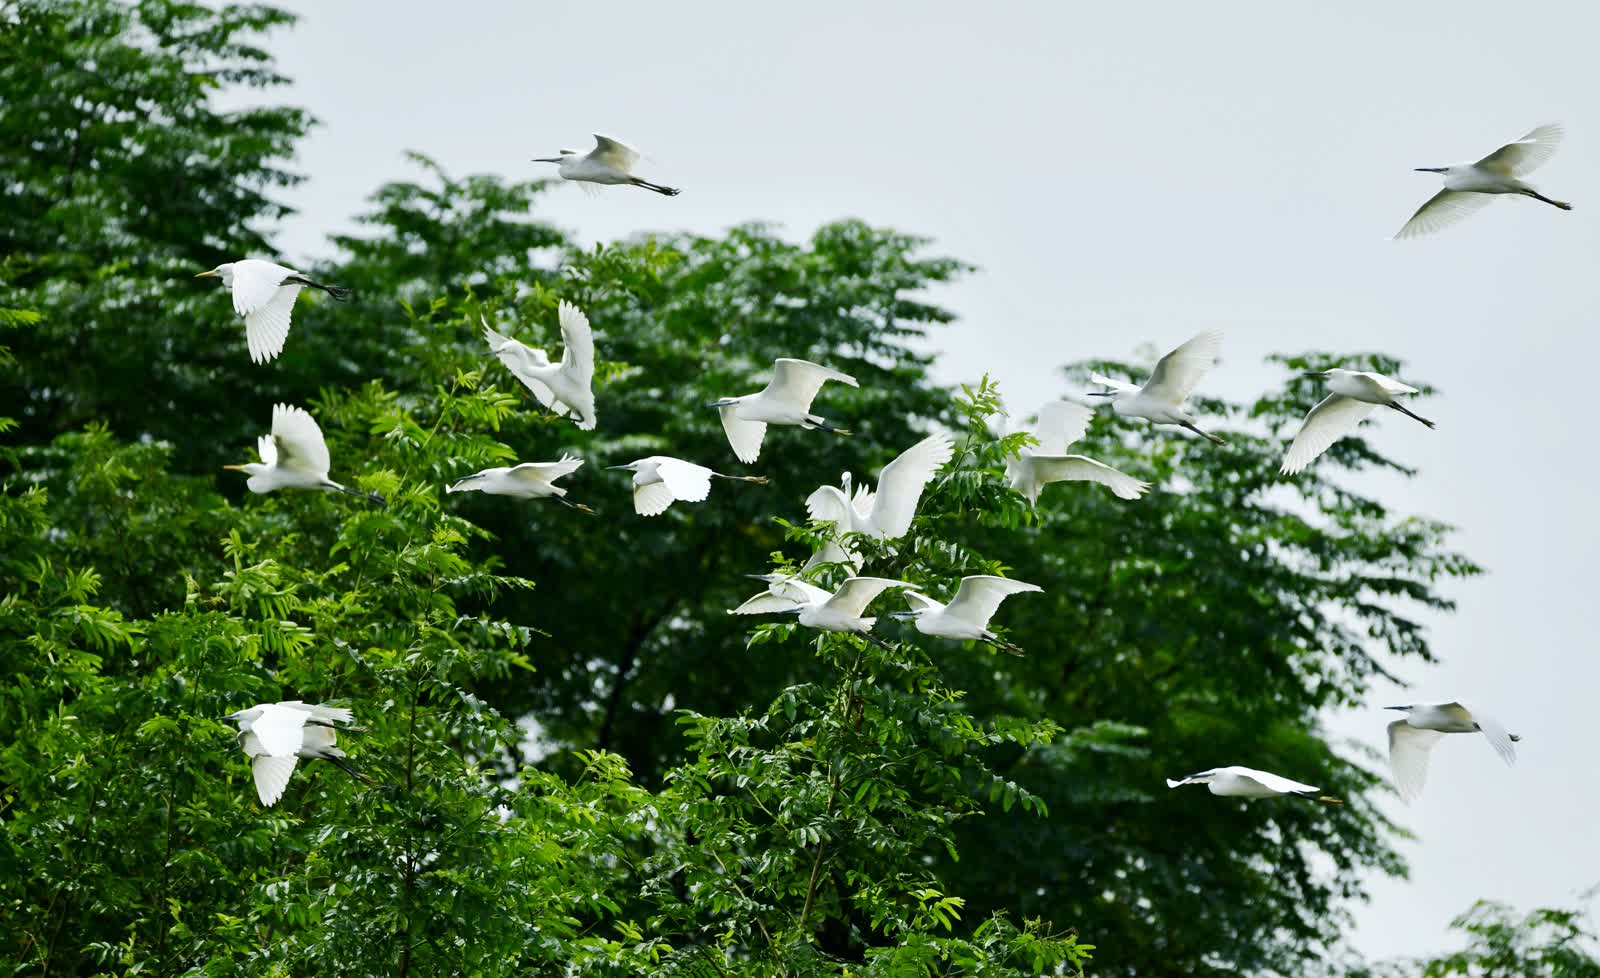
652	499
268	450
833	552
545	471
255	284
1334	417
1522	157
828	505
797	381
1274	782
272	776
1386	384
856	593
902	481
1177	373
280	730
266	327
1116	385
299	441
1497	736
744	436
688	481
765	603
917	601
516	354
1191	779
1409	748
1080	468
326	714
1060	424
1442	210
979	597
578	360
618	156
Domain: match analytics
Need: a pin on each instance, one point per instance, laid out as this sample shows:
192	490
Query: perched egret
660	480
276	735
1060	424
530	480
840	611
1161	398
785	400
1244	782
264	293
1354	394
610	162
967	615
1411	740
566	387
294	456
885	514
1469	186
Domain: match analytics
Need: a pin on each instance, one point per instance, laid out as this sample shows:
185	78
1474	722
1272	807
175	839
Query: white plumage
1468	187
840	611
264	293
1061	423
530	480
887	513
293	456
1412	738
610	162
786	400
1354	394
661	480
966	617
275	735
1174	378
565	387
1246	782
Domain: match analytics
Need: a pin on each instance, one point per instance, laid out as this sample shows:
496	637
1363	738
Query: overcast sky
1126	173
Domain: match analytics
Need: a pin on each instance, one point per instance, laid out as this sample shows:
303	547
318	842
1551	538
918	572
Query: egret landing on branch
1244	782
264	294
660	480
294	456
885	514
566	387
840	611
1354	394
276	735
786	400
1470	186
530	480
609	163
1411	740
1060	424
966	617
1161	398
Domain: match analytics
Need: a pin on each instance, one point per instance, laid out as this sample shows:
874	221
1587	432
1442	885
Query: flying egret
566	387
785	400
1060	424
610	162
294	456
967	615
276	735
530	480
885	514
1161	398
660	480
264	294
840	611
1470	186
1411	740
1244	782
1354	394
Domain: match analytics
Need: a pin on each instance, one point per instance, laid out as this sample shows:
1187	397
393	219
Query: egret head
223	271
844	480
242	716
1318	374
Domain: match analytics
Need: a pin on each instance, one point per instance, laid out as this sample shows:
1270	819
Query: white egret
1161	398
887	513
786	400
264	294
565	387
276	735
966	617
1354	394
1060	424
1470	186
1411	740
660	480
610	162
840	611
530	480
1244	782
294	456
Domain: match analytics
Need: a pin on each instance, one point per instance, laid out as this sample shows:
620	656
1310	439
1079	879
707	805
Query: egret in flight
264	294
966	617
276	735
1161	398
566	387
1060	424
885	514
530	480
1354	395
1411	740
294	456
610	162
786	400
1470	186
1244	782
840	611
660	480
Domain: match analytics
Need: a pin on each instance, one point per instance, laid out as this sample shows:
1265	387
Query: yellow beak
210	274
234	468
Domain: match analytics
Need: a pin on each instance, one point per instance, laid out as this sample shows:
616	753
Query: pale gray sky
1126	173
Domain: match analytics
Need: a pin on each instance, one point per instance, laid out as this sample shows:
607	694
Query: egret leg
658	188
580	507
1536	195
1213	439
1410	413
336	292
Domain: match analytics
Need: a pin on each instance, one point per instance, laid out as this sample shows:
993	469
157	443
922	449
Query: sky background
1125	174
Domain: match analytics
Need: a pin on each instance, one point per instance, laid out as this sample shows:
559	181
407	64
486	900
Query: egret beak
1315	373
1101	393
546	159
769	578
234	468
1397	708
211	274
624	468
902	615
1430	169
